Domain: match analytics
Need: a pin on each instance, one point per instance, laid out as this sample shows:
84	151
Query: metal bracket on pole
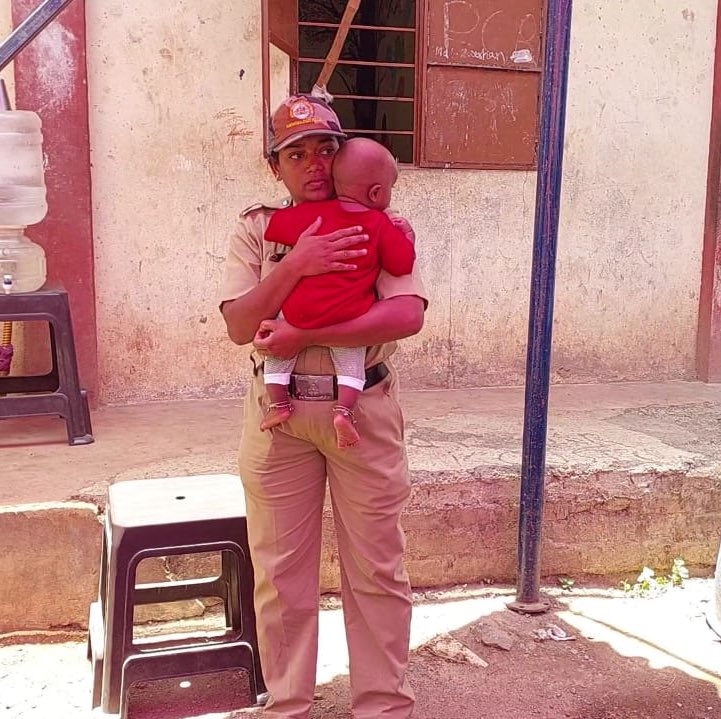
548	197
29	28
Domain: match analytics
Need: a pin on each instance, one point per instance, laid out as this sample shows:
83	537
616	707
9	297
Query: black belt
321	388
375	374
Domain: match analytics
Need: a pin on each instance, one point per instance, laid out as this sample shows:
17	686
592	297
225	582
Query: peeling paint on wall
56	64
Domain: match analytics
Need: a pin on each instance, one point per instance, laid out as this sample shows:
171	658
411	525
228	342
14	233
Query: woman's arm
243	315
312	255
386	321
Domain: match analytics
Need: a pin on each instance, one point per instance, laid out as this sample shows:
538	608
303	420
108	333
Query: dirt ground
629	658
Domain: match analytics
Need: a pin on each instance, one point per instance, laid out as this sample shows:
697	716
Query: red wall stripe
709	326
51	79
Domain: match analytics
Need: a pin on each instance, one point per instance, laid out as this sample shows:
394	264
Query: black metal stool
57	392
162	517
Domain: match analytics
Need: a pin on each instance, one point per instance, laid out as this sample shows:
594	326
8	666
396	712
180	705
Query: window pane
374	118
360	80
366	45
401	146
374	114
392	13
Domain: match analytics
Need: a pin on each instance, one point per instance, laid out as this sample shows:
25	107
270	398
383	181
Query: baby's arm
395	251
286	226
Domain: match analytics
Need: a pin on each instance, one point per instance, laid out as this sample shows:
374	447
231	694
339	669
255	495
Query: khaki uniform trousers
284	476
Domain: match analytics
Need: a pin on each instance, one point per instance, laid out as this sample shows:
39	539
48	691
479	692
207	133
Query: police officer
285	472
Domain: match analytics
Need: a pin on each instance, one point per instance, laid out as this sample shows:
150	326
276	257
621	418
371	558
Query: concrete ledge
633	479
465	529
460	529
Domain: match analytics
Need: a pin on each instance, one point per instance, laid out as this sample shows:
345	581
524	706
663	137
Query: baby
364	173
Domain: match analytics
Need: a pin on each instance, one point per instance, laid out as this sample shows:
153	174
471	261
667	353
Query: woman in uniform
285	472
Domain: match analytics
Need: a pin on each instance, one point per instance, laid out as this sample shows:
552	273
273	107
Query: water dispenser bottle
22	201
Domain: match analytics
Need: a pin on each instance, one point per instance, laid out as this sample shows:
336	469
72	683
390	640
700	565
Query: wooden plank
333	56
361	63
354	26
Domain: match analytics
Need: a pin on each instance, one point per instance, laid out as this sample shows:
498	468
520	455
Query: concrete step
634	478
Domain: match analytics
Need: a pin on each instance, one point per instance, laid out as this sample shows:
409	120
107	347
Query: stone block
172	568
49	562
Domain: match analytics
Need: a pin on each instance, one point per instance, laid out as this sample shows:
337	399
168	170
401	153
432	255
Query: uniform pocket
391	392
378	411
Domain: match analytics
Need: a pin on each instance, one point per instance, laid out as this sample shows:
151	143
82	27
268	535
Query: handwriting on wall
494	116
487	33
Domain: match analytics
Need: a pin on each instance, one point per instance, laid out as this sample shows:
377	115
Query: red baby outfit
334	297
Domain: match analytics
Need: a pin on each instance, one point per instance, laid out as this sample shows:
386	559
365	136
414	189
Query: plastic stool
161	517
57	392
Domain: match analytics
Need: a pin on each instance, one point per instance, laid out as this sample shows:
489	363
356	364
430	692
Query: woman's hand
317	254
279	339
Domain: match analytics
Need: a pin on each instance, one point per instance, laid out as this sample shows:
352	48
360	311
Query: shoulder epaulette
267	206
249	209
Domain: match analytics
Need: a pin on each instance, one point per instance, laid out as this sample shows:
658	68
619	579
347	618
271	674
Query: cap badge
301	110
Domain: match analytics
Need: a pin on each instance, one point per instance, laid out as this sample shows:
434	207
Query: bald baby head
365	171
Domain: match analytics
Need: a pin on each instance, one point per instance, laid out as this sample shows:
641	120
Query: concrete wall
175	107
176	143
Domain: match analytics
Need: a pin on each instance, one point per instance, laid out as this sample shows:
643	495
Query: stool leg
77	417
104	567
86	411
118	626
231	579
52	377
96	644
244	596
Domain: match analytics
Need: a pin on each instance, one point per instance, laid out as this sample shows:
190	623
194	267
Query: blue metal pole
548	196
33	24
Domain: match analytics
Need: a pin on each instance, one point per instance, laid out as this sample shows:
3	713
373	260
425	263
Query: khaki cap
300	116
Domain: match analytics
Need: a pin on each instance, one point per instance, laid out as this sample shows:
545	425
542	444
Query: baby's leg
276	375
349	366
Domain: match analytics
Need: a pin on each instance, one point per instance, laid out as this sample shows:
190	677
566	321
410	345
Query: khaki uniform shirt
251	259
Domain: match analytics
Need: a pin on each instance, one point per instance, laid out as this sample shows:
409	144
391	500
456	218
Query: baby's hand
405	227
280	339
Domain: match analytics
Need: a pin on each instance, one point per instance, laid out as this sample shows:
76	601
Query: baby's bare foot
345	431
278	413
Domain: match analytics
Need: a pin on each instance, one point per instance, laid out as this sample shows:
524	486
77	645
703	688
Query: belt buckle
314	388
